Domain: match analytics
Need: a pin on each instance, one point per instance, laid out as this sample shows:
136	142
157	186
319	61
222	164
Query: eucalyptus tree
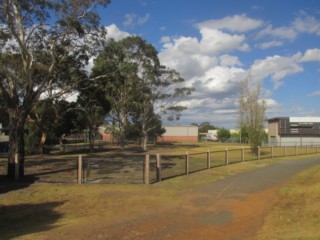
44	44
252	112
92	107
138	87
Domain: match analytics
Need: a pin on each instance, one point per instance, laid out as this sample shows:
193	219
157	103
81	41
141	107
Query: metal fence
139	169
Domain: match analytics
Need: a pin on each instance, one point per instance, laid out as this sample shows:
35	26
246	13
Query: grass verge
297	213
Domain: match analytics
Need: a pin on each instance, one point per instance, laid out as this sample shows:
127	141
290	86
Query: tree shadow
7	185
21	219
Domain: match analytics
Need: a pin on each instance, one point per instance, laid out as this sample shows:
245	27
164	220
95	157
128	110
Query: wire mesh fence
140	168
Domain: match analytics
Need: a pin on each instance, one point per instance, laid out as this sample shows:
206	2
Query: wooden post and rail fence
227	158
155	167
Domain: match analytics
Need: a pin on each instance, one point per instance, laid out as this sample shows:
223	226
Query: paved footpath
229	209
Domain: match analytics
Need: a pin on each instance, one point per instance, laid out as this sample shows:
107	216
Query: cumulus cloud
212	66
115	33
277	68
215	41
236	23
311	55
227	60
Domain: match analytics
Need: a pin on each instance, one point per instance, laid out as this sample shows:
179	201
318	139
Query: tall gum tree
139	88
43	46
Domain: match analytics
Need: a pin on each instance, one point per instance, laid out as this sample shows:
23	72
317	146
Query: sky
215	45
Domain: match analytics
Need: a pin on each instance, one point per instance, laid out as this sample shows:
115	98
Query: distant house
179	134
294	131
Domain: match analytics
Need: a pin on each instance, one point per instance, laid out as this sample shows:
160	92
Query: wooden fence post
88	166
80	169
242	154
259	152
187	163
147	169
158	167
226	156
285	151
208	159
16	167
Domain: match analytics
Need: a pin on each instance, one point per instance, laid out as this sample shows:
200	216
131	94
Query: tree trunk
145	136
91	139
145	141
61	144
16	143
43	141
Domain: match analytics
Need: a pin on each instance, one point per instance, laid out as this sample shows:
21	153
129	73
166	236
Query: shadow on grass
7	185
19	220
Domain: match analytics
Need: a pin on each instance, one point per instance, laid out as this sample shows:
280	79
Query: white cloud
280	33
214	42
115	33
270	44
219	81
227	60
307	24
277	68
311	55
132	19
184	55
165	39
236	23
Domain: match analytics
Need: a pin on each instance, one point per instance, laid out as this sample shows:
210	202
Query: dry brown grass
297	213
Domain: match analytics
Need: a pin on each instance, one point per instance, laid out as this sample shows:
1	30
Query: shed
179	133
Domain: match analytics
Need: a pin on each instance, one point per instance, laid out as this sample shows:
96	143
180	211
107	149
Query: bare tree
252	112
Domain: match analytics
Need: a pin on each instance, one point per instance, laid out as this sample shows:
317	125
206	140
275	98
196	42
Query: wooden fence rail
228	155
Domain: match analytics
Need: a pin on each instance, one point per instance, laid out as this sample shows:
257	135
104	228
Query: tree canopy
138	87
44	46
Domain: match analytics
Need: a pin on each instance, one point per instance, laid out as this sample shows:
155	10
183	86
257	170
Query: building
179	134
294	131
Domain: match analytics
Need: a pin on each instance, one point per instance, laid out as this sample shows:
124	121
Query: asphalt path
230	209
260	179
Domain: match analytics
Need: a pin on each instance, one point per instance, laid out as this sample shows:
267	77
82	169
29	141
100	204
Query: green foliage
45	45
32	140
135	84
223	134
204	127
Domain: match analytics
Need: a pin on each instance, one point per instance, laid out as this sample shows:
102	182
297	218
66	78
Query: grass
56	210
40	210
297	213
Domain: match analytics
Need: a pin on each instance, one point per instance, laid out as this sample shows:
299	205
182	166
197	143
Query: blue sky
214	44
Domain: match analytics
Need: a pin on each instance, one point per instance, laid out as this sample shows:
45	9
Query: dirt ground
232	208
